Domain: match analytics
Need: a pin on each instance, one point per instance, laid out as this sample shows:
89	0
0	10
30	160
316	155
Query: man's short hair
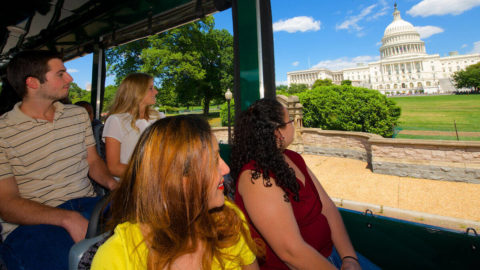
29	64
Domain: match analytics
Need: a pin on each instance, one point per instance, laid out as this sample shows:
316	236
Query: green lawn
440	112
423	137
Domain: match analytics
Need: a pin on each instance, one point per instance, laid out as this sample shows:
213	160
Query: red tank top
312	223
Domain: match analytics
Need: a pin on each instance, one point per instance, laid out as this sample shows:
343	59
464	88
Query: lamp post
228	97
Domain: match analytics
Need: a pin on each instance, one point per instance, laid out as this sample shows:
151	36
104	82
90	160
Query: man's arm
17	210
98	170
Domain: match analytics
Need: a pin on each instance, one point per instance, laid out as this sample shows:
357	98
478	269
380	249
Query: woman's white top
118	126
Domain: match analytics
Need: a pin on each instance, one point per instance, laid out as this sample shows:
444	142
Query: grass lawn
440	112
423	137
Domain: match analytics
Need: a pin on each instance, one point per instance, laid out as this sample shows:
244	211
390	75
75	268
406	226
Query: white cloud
72	70
442	7
381	12
476	47
370	13
428	31
296	63
278	83
378	43
464	46
352	21
345	62
296	24
88	86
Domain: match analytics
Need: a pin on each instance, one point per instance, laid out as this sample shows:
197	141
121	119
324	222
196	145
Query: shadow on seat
2	263
82	253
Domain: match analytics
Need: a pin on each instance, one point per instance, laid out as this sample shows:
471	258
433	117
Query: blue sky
339	34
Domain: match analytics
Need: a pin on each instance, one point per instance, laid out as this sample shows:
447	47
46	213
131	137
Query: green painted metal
225	151
398	244
247	35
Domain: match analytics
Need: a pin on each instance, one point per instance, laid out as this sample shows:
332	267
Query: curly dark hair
254	139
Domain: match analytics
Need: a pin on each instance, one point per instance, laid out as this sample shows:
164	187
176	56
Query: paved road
352	180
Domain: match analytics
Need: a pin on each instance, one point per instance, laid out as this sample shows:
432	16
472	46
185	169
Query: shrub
344	107
346	82
224	113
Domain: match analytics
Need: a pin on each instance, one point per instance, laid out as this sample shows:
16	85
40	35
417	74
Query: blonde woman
169	211
130	114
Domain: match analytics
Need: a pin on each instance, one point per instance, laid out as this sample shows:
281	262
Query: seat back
82	253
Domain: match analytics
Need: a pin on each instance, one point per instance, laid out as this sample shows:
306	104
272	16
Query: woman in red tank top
285	204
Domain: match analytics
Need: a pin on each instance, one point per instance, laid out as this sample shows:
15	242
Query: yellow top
125	249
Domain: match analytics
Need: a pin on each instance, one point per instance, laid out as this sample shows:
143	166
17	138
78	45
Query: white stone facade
404	66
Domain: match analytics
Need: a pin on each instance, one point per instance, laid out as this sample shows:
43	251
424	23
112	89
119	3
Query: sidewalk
448	204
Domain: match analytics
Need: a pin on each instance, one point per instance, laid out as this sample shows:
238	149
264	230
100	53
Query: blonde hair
130	93
166	187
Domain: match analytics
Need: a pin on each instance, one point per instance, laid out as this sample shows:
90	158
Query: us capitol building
404	66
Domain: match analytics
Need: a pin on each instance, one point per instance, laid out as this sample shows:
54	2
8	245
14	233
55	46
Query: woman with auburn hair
169	211
286	205
130	114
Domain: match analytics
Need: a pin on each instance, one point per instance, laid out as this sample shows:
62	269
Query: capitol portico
404	66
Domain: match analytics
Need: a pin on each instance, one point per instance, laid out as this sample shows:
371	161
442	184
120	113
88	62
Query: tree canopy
192	64
282	87
324	82
296	88
343	107
468	78
346	82
76	94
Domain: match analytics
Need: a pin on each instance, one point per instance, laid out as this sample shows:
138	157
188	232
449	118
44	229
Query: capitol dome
401	39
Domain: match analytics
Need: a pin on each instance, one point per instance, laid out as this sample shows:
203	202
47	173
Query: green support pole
98	81
253	50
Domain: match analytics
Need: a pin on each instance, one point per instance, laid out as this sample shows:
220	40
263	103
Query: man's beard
55	97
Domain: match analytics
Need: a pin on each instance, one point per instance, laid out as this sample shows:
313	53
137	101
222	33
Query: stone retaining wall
429	159
222	134
337	143
438	160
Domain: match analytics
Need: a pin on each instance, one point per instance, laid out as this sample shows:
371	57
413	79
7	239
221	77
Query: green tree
108	97
125	59
195	60
324	82
297	88
468	78
346	82
282	87
76	94
342	107
192	64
